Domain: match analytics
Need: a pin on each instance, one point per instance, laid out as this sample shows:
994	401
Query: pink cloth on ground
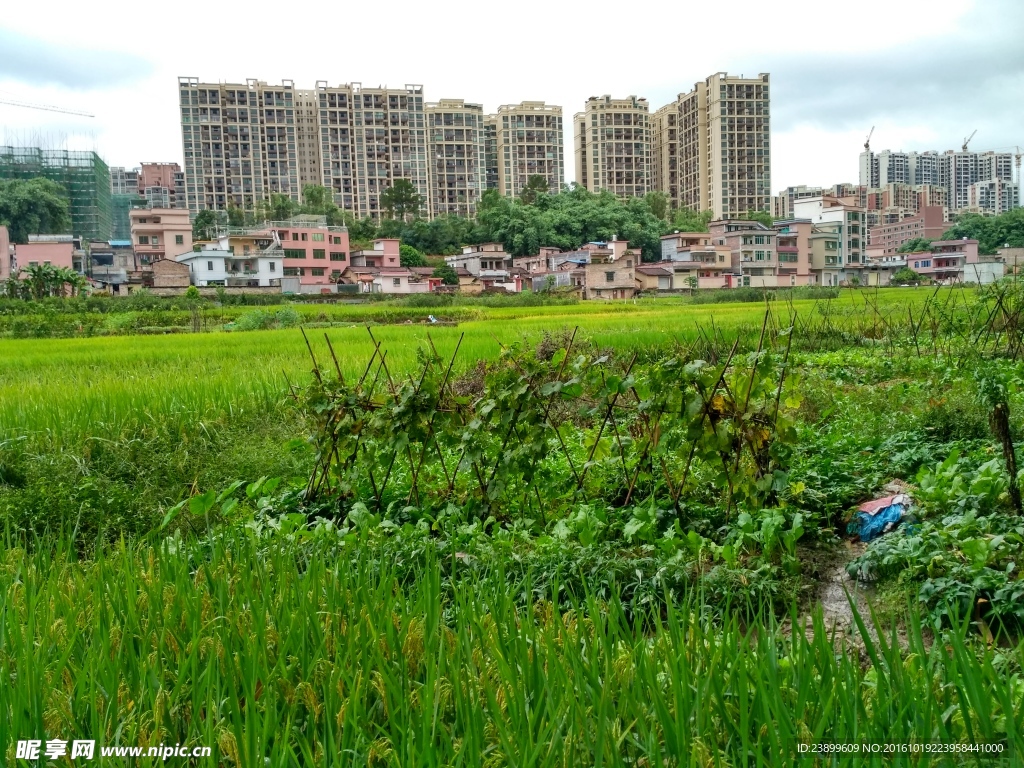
876	506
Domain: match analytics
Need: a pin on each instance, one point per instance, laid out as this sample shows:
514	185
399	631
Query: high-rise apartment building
368	138
244	142
239	143
124	181
456	141
491	151
307	139
724	146
924	168
783	209
993	196
613	146
665	152
529	142
162	184
953	171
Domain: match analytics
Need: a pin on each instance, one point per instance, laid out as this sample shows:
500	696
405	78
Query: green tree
991	232
17	289
657	202
410	257
68	281
688	220
535	187
281	207
42	279
236	217
317	200
905	275
447	274
33	207
204	226
915	245
760	216
401	200
360	230
194	302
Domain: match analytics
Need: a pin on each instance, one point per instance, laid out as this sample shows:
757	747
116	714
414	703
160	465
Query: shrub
262	319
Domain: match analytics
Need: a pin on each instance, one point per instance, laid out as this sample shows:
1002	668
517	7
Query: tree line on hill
992	232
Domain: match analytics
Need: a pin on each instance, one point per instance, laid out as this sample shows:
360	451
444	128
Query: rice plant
292	654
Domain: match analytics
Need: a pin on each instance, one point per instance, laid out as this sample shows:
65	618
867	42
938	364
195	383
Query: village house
170	273
386	252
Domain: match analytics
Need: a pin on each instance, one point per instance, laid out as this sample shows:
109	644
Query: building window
318	271
295	235
294	253
319	253
155	240
609	277
304	236
337	255
143	239
336	240
318	237
396	281
273	266
179	239
292	271
209	266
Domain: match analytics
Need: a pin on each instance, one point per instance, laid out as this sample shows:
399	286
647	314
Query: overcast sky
925	73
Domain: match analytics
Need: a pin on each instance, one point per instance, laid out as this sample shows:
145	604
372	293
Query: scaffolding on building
84	177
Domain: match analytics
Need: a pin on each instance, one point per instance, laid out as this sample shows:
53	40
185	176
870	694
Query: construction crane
867	141
45	107
968	140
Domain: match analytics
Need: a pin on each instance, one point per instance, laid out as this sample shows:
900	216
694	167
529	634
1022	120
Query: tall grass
285	656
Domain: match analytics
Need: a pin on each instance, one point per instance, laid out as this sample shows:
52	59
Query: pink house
794	251
385	253
160	233
313	251
946	261
57	253
6	257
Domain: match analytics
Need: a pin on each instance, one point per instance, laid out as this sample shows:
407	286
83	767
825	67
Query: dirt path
838	589
839	594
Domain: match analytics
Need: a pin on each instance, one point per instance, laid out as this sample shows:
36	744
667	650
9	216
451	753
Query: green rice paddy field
65	389
429	637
